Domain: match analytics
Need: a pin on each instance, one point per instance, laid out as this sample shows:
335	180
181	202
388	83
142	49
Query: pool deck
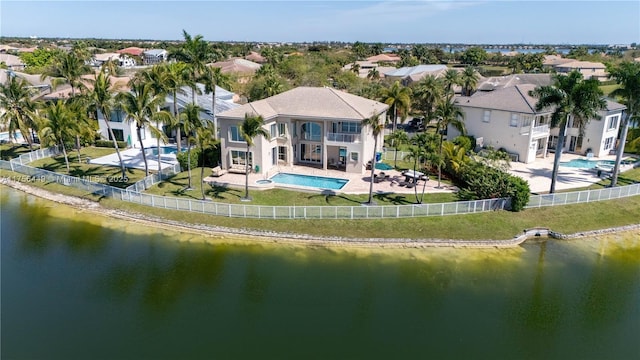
538	173
358	183
132	158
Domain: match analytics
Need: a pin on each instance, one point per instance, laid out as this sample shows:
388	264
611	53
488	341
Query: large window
240	158
608	143
282	153
118	134
311	131
116	116
486	116
526	121
273	131
612	123
282	129
350	127
234	134
514	120
311	153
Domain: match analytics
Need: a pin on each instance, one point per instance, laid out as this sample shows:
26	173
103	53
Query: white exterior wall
263	148
129	131
596	133
498	133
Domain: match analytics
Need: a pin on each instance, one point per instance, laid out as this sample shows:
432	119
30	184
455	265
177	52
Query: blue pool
318	182
164	150
587	164
383	166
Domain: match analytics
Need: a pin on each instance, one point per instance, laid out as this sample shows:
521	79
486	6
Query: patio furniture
218	171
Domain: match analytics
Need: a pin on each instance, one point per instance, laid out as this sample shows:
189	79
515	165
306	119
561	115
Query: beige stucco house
506	119
312	126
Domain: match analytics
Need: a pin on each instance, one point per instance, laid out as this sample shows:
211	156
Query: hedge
109	143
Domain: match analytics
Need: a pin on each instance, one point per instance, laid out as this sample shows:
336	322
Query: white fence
36	155
132	194
153	179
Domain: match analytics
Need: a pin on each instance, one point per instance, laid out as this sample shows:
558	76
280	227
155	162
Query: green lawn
607	89
490	225
175	186
10	151
97	173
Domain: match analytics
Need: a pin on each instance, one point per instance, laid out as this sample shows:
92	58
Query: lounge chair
218	171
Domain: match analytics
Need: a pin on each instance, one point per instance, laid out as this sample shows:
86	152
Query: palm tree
19	109
377	128
206	139
397	139
575	100
191	122
416	154
426	93
251	128
141	106
451	78
103	98
447	114
627	74
398	98
57	126
177	75
195	52
68	68
373	74
211	78
469	80
355	68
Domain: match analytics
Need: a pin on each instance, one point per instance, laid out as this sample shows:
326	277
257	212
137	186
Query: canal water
78	286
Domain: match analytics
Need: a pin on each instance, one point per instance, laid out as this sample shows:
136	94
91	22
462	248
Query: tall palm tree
195	52
447	114
398	98
377	128
103	98
397	139
206	139
57	126
211	78
451	79
373	74
190	122
469	80
355	68
575	100
251	128
19	109
426	93
140	105
627	74
177	75
417	155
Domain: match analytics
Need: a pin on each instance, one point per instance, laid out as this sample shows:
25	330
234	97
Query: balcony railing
343	137
536	130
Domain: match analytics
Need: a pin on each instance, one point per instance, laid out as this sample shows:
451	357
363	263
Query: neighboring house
122	59
409	75
126	131
7	48
133	51
312	126
501	82
590	70
255	57
384	58
551	61
243	69
12	62
154	56
366	66
42	85
506	119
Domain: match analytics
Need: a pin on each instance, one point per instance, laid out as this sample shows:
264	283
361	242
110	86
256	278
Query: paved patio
132	158
538	173
358	184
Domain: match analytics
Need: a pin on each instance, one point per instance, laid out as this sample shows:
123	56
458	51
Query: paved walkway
538	173
358	183
132	158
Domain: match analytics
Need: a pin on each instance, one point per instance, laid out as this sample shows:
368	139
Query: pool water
383	166
587	164
4	136
164	150
318	182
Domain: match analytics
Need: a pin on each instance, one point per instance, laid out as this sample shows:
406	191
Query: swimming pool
587	164
318	182
4	136
383	166
165	150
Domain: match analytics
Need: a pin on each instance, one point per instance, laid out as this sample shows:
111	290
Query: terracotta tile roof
135	51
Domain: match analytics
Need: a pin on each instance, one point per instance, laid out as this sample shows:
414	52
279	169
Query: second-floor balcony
343	137
535	130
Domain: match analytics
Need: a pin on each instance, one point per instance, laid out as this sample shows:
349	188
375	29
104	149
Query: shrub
109	143
183	158
484	182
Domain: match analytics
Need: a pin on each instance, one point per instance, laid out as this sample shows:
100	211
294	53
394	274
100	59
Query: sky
396	21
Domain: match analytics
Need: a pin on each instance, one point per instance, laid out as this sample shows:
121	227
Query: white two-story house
312	126
507	119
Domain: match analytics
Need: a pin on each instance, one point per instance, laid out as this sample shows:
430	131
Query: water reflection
547	299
